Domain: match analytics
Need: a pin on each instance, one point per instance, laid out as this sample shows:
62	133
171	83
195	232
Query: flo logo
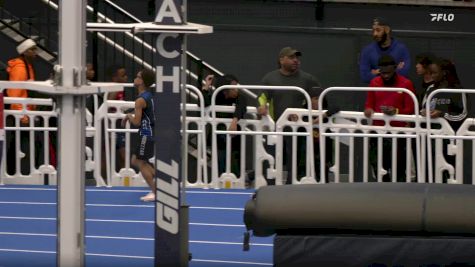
442	17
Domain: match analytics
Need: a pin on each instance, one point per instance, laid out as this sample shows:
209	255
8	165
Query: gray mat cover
372	206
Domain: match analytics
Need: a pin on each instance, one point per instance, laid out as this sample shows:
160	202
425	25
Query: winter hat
25	45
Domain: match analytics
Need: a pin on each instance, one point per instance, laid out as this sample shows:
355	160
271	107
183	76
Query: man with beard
390	103
384	44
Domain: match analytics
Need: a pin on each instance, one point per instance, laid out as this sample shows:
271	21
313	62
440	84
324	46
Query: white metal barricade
455	146
345	127
261	155
354	126
90	133
438	165
367	130
200	133
283	123
228	179
465	130
45	111
37	169
111	113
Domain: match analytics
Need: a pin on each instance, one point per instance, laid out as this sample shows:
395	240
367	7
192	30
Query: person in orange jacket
21	69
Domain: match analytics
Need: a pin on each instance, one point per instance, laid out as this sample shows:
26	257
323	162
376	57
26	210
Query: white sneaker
148	197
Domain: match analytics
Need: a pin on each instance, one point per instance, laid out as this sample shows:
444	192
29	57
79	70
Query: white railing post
446	135
307	126
381	130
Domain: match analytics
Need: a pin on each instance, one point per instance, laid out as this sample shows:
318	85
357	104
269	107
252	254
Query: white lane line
27	234
90	205
120	256
133	221
119	190
135	257
113	205
119	221
27	251
139	239
87	236
88	220
234	262
218	225
120	206
29	189
128	190
26	203
87	190
120	238
220	192
187	191
153	206
217	208
229	243
87	254
27	218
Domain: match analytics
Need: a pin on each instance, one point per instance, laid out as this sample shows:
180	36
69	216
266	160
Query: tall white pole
71	88
71	131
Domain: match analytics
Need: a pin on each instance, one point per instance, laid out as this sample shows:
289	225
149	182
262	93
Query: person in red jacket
390	103
387	102
21	69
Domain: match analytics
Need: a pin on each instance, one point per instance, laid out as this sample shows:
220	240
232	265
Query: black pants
24	147
387	158
235	154
302	156
450	159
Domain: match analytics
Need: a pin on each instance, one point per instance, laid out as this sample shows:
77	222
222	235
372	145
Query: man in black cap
288	74
384	44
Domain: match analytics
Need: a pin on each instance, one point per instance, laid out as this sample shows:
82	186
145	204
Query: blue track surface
120	228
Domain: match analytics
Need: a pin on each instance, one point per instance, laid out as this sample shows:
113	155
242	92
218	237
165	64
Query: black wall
38	15
249	34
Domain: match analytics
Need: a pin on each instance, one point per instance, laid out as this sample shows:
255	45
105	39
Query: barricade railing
90	133
455	146
29	141
362	127
291	127
2	139
110	114
347	127
466	130
228	179
254	145
201	154
437	129
261	142
39	170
